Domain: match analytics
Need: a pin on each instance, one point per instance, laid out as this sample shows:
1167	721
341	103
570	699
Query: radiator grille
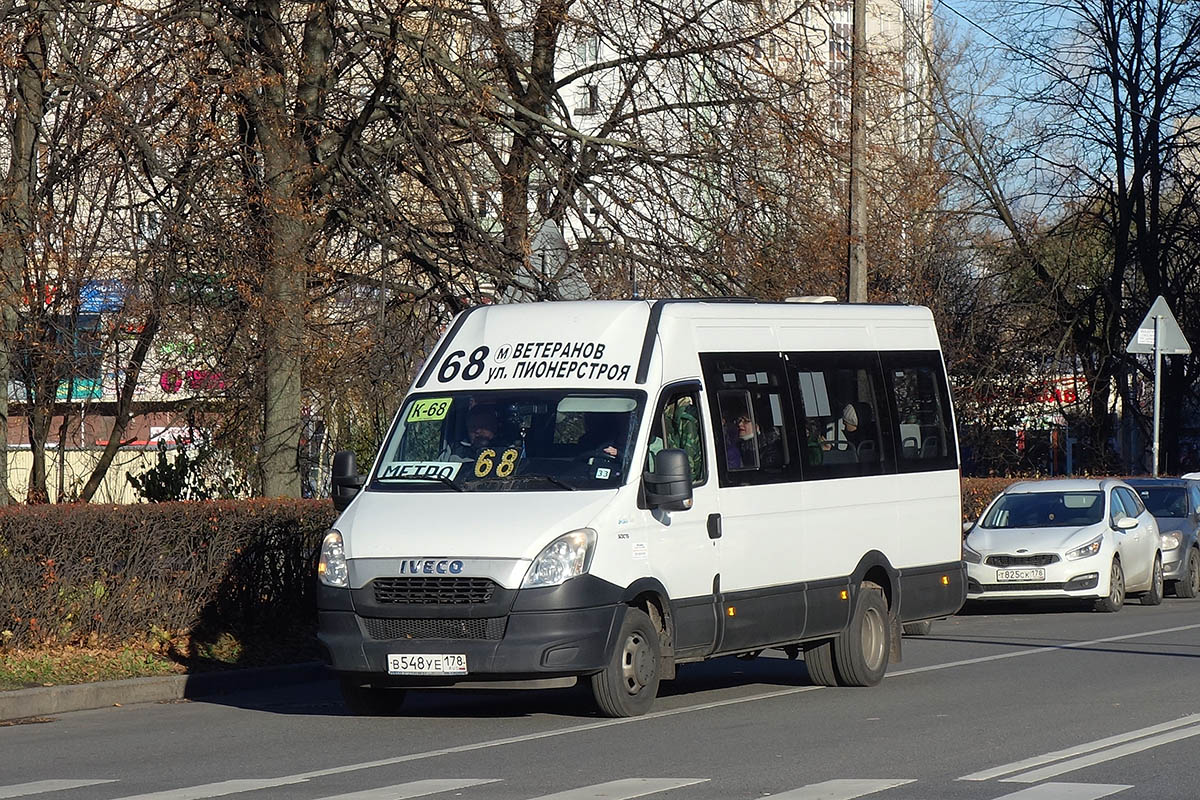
1039	560
386	629
433	591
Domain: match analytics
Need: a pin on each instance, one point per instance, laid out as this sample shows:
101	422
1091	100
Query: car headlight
1089	549
970	555
1170	540
332	569
567	556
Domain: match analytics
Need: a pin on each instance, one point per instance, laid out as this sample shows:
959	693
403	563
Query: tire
921	628
860	655
628	685
1116	589
1189	585
370	701
818	659
1154	596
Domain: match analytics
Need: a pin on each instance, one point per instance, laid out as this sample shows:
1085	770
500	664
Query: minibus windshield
533	440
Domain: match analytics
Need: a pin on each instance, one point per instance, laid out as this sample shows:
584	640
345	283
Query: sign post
1161	335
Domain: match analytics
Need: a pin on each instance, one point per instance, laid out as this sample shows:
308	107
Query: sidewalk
45	700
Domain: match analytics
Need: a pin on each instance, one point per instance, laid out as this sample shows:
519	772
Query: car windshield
529	440
1165	501
1045	510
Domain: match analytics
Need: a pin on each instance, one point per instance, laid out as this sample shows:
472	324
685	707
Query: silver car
1066	538
1175	504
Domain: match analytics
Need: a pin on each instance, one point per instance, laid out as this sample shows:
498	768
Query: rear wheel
1116	589
818	659
628	685
861	653
1189	585
370	701
1154	597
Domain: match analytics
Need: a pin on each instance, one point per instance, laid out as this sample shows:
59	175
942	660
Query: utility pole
857	233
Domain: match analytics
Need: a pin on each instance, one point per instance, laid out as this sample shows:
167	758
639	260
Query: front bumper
1175	564
540	633
1085	578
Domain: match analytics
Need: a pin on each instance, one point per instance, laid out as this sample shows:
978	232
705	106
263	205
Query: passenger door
685	545
1131	543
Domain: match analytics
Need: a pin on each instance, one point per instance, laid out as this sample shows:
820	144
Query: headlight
970	556
1170	540
1089	549
567	556
332	569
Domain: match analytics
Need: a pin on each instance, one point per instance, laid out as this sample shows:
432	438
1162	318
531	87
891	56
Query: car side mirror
967	525
345	481
669	485
1127	523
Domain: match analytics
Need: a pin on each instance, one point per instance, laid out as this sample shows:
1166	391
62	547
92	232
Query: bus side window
677	426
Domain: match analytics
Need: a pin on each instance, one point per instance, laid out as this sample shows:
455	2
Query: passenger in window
758	447
858	421
682	425
817	445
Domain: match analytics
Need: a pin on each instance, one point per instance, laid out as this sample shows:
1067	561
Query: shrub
87	573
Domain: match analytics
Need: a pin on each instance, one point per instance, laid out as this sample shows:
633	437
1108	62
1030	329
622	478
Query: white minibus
603	490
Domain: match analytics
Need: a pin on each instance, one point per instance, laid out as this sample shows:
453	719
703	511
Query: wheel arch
874	566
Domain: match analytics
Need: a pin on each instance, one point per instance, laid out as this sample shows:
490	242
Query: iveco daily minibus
603	490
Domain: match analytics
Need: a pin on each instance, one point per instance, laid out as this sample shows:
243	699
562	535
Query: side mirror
669	485
1127	523
346	480
967	525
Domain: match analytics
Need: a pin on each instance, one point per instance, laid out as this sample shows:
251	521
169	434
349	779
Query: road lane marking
533	737
40	787
1034	650
219	789
404	791
1080	749
1066	791
623	789
1105	755
845	789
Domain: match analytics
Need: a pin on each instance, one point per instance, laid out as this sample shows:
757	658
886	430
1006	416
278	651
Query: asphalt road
1015	702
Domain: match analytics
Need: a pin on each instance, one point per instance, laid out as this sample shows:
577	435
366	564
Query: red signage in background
199	380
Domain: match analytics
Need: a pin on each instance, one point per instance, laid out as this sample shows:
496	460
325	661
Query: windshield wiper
556	481
438	478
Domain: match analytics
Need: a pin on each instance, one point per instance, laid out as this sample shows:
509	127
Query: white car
1066	538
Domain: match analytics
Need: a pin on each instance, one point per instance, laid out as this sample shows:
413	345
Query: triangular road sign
1171	339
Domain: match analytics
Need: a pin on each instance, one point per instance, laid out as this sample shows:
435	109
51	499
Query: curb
43	700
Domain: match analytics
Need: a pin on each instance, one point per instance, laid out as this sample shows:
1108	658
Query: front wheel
628	685
1154	597
1189	585
1116	589
861	653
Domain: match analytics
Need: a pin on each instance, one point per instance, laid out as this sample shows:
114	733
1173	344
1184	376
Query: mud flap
896	631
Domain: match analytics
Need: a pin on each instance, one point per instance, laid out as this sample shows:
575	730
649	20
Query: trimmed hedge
72	574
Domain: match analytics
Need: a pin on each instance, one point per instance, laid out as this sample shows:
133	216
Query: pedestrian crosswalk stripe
846	789
623	789
216	789
1066	791
403	791
40	787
